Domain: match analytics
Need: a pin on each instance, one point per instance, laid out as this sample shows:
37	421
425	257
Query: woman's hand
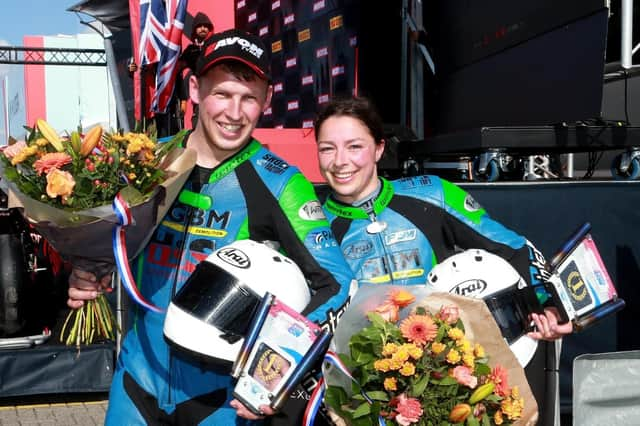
245	413
547	325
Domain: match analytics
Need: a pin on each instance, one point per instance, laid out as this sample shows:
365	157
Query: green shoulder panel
301	206
462	202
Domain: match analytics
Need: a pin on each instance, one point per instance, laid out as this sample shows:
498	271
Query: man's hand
85	286
245	413
547	326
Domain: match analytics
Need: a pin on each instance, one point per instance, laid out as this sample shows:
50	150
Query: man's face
201	32
229	107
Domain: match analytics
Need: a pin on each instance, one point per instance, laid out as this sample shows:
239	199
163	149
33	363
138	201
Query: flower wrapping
398	405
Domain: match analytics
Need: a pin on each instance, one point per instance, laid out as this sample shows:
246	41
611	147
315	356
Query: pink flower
13	150
388	311
409	410
499	376
449	314
464	376
50	161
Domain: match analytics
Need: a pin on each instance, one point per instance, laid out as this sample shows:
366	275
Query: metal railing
52	56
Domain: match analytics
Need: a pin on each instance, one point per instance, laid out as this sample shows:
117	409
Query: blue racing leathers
411	224
254	194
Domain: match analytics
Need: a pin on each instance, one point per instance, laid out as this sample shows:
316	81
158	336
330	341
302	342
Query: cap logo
234	257
246	45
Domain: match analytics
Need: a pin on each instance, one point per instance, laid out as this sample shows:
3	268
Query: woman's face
347	155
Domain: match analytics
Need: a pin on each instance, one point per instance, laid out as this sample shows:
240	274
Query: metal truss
52	56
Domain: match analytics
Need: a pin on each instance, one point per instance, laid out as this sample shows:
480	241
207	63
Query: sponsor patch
358	250
400	236
471	205
311	210
272	164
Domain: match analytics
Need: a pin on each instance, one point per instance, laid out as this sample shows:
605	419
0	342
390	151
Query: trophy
581	281
280	347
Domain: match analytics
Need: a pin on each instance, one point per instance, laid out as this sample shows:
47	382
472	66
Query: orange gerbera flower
499	375
418	329
50	161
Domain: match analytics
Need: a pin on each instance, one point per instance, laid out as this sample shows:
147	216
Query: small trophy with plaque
581	281
280	347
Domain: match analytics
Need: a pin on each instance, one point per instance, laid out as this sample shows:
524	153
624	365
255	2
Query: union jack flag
161	26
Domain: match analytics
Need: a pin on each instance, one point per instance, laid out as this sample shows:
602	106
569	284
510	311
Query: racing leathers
254	194
409	225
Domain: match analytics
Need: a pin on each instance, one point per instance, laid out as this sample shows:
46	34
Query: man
238	190
202	27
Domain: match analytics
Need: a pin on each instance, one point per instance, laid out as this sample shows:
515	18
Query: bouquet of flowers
422	363
65	187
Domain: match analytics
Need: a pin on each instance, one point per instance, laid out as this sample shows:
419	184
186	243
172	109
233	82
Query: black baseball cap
235	45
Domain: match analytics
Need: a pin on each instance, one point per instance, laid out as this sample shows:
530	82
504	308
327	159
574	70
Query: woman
396	231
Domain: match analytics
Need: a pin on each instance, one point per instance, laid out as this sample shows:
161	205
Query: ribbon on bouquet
121	208
318	394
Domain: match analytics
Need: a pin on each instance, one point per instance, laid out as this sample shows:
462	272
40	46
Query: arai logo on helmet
469	287
234	257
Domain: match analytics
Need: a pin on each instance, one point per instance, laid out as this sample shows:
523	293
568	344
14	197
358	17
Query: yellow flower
389	349
132	176
469	360
390	384
515	392
382	365
24	154
408	369
42	142
512	407
464	345
478	350
437	347
455	333
453	357
497	418
401	355
414	351
395	364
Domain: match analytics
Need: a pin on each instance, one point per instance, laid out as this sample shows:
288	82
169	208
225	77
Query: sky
37	17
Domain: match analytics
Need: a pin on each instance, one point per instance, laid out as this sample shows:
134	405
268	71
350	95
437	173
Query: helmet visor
508	313
216	297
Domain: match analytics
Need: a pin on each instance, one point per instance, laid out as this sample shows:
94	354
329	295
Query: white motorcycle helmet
478	273
211	313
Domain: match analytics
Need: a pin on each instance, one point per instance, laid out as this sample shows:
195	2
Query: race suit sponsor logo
471	205
358	250
234	257
272	164
322	239
469	287
412	182
311	210
400	236
331	322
